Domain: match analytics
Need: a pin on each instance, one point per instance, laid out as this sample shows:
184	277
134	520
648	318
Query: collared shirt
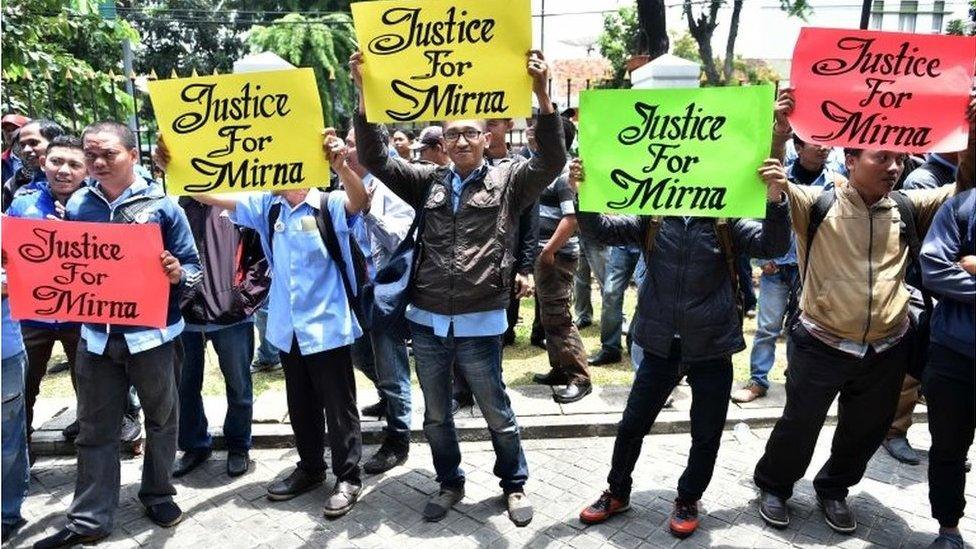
387	222
12	342
855	348
481	324
141	340
307	300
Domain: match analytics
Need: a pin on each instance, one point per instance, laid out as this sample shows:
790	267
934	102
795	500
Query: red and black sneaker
603	508
684	519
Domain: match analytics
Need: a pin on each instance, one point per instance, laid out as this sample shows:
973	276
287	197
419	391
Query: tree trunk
701	30
653	40
730	45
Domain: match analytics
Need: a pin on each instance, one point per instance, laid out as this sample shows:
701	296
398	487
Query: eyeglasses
469	134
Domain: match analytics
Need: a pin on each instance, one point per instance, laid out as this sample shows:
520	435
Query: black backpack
331	240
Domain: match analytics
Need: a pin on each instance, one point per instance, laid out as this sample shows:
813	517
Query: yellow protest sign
258	131
444	59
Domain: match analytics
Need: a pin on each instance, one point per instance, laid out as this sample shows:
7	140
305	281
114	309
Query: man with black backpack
313	321
853	336
688	323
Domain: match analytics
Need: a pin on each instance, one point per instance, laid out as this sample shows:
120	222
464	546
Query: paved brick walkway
566	474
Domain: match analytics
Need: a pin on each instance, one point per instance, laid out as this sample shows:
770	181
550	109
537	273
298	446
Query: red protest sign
104	273
882	90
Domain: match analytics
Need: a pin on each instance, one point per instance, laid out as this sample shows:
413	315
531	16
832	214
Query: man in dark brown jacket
462	282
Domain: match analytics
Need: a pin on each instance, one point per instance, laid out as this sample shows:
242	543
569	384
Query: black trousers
869	388
39	344
711	382
321	389
948	385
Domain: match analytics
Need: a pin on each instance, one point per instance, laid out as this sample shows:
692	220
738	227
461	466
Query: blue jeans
235	350
620	269
393	381
478	359
383	359
15	464
593	261
267	353
774	296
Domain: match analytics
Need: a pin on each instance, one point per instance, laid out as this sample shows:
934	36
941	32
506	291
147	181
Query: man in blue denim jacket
110	358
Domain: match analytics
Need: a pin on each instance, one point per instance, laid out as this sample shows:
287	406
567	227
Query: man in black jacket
687	323
220	309
462	283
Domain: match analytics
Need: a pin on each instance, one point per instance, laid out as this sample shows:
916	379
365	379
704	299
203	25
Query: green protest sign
675	151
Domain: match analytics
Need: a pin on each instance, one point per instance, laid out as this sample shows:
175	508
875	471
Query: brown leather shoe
750	392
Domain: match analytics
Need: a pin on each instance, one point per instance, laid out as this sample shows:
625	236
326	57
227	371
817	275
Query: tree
653	36
618	42
323	43
180	36
703	22
58	61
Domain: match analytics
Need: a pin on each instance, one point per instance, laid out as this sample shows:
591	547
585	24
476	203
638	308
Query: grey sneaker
519	508
440	503
900	449
343	497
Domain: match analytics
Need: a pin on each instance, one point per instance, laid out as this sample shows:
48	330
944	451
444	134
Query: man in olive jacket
462	283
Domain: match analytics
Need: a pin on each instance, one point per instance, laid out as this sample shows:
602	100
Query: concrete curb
49	442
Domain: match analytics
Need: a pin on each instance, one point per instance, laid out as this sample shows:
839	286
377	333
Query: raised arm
781	127
611	230
408	181
530	178
357	199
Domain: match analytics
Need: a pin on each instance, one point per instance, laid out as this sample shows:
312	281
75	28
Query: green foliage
323	43
958	27
684	46
617	43
57	60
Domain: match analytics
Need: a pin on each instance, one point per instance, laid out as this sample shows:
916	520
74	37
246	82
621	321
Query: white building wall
765	32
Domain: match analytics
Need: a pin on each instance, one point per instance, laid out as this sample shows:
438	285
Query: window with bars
877	14
938	9
907	15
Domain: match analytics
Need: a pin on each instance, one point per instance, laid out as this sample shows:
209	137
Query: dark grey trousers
102	386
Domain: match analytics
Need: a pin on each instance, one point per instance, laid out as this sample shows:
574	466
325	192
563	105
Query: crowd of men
867	267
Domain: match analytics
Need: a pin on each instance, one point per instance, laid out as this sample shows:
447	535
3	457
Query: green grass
520	361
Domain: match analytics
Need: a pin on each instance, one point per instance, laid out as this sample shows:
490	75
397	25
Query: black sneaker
165	514
71	432
297	483
387	457
773	510
440	503
377	410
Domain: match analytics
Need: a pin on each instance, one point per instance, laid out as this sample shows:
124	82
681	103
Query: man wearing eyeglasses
462	283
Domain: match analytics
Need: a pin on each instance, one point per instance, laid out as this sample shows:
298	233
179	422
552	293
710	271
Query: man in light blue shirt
780	276
14	428
382	355
312	325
